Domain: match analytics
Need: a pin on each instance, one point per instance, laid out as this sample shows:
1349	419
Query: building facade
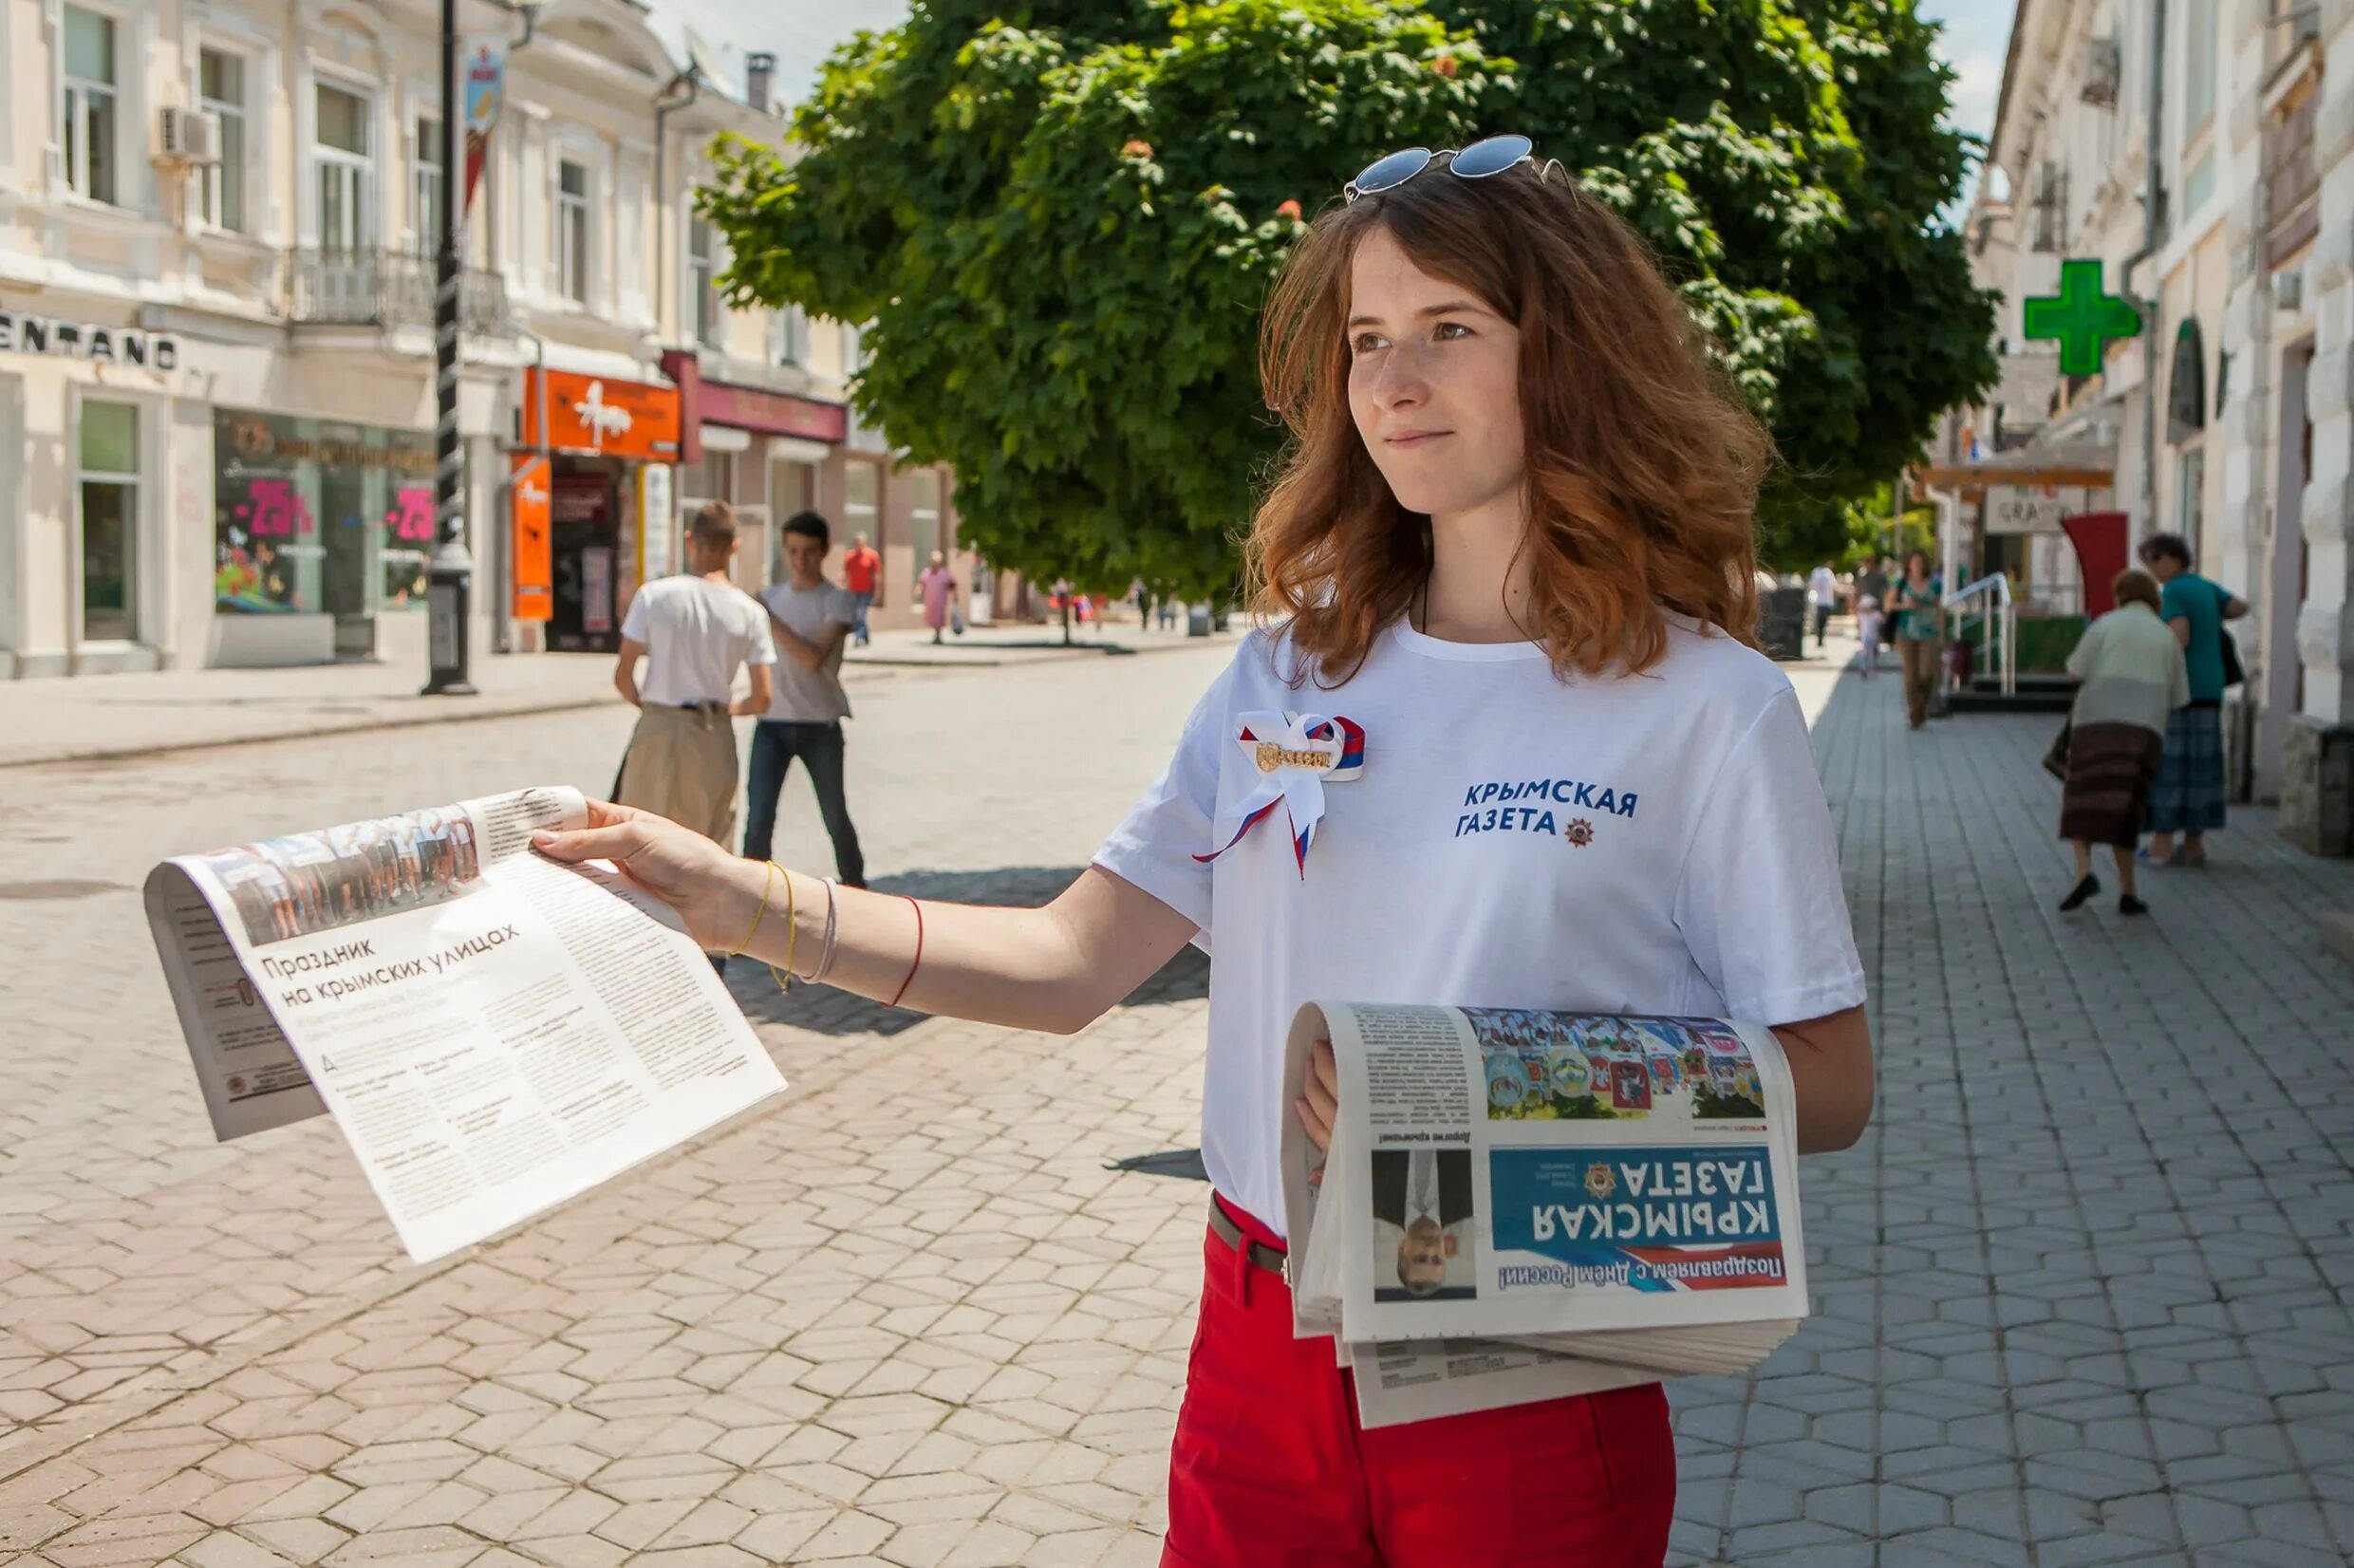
217	221
2202	151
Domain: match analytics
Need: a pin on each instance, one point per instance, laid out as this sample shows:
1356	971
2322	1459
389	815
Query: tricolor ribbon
1295	755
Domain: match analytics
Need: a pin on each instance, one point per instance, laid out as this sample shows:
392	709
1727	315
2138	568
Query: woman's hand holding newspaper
714	892
1321	1102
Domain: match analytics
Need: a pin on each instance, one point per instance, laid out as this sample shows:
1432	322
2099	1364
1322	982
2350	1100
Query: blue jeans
858	622
774	743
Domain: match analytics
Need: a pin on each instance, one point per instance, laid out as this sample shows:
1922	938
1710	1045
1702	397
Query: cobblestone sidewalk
2080	1292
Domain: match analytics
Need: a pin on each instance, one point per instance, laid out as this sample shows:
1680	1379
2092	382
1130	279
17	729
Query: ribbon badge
1295	756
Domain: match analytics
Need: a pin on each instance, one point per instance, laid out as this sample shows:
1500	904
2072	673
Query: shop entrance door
585	543
348	523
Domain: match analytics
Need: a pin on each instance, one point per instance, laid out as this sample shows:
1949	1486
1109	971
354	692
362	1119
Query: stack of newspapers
1518	1204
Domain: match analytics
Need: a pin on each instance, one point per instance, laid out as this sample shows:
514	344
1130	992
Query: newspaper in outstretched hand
493	1030
1516	1204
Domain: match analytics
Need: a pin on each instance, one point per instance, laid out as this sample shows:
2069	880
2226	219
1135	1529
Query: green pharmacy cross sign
2080	316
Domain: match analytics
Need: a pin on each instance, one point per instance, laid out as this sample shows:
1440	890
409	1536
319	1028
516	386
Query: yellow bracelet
766	888
793	934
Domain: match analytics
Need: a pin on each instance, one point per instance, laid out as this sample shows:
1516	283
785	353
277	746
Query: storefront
769	455
612	516
317	529
88	424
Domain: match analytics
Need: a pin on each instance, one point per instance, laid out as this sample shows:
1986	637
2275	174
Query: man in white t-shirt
1822	597
695	631
811	619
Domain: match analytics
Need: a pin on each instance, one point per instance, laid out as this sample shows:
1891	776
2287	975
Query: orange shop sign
534	556
594	413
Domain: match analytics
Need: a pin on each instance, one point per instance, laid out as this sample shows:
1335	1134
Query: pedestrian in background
2131	681
810	620
937	586
1821	596
1872	583
860	568
1868	618
1918	609
2188	795
694	630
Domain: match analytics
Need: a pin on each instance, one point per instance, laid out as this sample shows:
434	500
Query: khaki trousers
682	765
1919	658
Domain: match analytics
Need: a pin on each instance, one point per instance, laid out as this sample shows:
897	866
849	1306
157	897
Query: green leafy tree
1062	220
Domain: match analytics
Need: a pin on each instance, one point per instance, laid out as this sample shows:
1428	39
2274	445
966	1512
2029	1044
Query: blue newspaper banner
1641	1217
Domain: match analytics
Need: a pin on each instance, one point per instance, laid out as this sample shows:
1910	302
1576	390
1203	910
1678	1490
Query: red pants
1270	1469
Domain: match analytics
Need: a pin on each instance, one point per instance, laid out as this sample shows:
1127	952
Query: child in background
1868	628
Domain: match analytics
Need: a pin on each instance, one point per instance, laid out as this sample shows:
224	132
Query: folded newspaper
493	1031
1517	1205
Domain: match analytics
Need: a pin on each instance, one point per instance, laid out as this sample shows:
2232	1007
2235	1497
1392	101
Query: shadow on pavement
825	1011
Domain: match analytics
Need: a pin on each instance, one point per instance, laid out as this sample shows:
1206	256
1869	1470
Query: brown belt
1223	1228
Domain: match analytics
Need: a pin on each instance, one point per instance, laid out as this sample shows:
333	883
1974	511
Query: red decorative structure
2101	554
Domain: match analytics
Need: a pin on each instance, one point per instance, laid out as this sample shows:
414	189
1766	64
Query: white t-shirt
801	694
1822	588
1656	844
696	633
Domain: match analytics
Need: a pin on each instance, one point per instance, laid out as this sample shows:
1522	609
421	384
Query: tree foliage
1062	218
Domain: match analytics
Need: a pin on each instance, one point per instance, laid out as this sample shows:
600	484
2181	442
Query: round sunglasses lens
1396	169
1492	157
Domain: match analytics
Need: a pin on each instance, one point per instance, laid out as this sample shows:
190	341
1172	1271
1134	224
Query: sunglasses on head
1490	156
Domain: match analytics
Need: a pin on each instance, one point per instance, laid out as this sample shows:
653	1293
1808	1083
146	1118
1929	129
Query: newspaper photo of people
1565	1067
308	883
1425	1239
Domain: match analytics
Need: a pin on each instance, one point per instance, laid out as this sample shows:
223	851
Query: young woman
1512	543
1920	631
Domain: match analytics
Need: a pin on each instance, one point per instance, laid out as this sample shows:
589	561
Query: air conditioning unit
189	135
2103	66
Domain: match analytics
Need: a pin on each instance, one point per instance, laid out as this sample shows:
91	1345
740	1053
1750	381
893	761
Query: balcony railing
386	288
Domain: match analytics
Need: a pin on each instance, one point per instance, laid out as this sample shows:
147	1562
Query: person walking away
860	568
1868	616
694	630
2188	797
1872	583
937	584
810	620
2131	681
1481	631
1920	612
1822	595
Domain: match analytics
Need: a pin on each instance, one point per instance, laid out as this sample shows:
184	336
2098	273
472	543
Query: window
861	488
2190	497
789	335
2198	64
110	518
572	231
89	134
702	280
2199	184
344	156
853	350
220	91
426	186
923	515
711	479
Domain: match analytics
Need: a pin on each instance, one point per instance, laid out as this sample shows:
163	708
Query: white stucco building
2230	420
216	225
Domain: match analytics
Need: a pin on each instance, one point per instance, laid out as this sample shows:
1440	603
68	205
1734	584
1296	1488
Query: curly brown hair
1643	461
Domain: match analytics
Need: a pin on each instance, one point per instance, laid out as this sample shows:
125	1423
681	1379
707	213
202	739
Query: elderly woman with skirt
2131	680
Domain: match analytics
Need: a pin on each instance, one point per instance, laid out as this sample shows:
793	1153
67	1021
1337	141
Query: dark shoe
2080	893
2128	905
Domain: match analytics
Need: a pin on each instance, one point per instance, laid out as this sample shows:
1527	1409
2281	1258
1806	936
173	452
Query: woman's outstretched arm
1056	969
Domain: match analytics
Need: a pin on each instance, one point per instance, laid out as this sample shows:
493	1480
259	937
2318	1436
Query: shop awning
2086	463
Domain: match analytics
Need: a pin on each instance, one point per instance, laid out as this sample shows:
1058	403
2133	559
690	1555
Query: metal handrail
1998	652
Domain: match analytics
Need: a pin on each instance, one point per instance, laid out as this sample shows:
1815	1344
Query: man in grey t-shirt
811	619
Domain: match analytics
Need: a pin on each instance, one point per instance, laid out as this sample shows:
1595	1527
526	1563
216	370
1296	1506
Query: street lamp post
449	582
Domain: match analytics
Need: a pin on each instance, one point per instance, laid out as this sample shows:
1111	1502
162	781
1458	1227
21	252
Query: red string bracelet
918	953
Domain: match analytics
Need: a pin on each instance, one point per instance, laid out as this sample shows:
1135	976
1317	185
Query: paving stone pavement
2079	1292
